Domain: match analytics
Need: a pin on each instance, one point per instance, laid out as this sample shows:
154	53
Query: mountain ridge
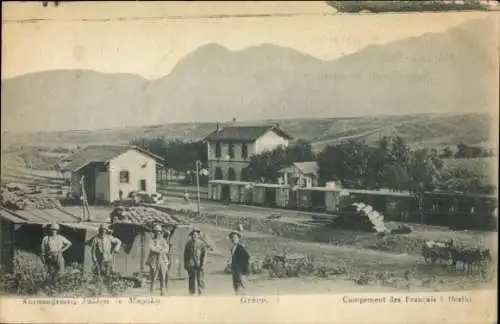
266	81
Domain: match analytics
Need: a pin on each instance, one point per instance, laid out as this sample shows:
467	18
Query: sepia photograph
248	150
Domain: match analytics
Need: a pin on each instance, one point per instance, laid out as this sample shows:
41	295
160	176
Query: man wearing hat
194	260
239	262
103	248
53	247
158	260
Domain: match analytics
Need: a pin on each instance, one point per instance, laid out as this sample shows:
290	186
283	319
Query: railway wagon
316	198
245	194
283	196
269	194
460	211
234	192
304	199
214	191
222	190
332	201
258	195
445	209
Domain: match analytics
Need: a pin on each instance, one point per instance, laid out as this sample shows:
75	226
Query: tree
347	162
447	153
267	164
301	151
424	169
461	179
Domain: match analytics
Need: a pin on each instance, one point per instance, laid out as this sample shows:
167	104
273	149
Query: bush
29	279
26	279
287	266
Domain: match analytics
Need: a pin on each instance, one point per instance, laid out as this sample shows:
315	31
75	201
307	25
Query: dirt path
220	285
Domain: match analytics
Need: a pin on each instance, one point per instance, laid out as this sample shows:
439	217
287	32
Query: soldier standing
158	260
103	248
194	261
53	247
186	197
239	262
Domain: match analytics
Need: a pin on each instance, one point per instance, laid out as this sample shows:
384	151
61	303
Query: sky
148	39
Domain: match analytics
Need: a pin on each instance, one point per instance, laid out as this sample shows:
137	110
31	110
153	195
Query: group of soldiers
104	246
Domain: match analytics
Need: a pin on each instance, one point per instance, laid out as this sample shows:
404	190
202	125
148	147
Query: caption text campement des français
247	300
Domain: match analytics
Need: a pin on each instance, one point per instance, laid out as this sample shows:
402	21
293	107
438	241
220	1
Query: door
142	185
270	195
225	194
318	200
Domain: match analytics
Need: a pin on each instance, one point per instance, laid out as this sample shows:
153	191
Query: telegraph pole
85	203
198	162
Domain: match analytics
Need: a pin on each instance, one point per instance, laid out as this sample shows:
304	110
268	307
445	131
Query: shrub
26	279
286	266
29	279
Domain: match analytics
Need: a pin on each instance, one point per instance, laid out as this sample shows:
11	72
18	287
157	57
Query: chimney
218	127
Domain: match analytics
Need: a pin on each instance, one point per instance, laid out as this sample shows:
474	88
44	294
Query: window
244	151
230	148
217	150
231	175
124	177
218	174
244	174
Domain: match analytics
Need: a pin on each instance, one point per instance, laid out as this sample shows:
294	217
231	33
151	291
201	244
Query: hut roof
244	133
101	154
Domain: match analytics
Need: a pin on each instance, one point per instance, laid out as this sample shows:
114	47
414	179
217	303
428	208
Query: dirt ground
391	267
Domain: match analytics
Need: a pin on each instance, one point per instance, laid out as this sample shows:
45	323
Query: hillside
415	75
418	130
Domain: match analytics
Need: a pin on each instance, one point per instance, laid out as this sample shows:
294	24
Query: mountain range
448	72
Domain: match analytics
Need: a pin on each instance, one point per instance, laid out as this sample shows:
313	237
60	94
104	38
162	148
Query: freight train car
258	195
214	191
269	195
283	196
446	209
224	190
317	198
246	194
461	210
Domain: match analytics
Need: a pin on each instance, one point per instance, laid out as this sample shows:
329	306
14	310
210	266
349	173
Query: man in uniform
186	197
53	247
103	248
194	261
239	262
158	260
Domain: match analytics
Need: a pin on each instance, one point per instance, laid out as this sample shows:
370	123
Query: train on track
460	211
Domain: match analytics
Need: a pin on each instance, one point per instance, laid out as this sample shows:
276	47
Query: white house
230	148
302	174
109	170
